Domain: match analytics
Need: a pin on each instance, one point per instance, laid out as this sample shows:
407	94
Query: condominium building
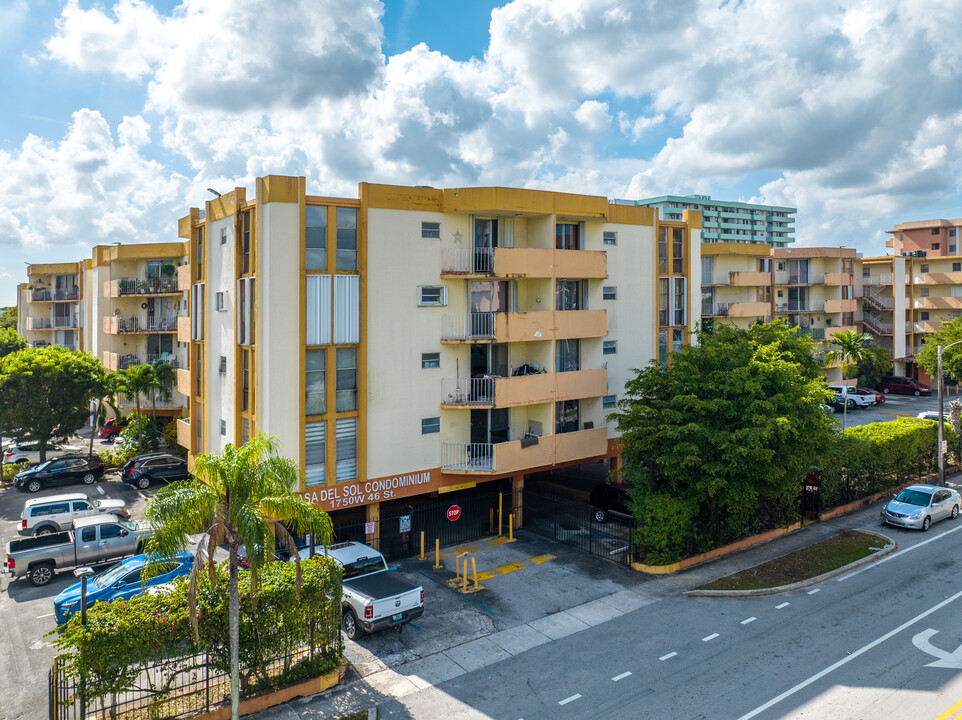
730	222
926	238
736	283
49	305
417	341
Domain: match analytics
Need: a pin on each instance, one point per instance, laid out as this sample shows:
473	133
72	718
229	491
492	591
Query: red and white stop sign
454	512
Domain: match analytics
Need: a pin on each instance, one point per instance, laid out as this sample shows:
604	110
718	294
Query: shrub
117	458
666	532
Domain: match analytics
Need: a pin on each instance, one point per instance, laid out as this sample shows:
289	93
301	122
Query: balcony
799	306
71	295
524	263
749	279
784	277
164	357
836	306
813	333
117	361
183	381
926	326
502	392
937	303
144	286
524	326
945	278
839	278
183	329
56	323
117	325
127	401
183	433
513	457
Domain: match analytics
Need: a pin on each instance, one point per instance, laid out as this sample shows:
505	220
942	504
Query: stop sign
454	512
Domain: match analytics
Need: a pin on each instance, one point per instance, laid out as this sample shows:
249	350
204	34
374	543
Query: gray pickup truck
93	540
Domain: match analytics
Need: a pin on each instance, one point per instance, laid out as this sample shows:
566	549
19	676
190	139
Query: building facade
730	222
50	305
416	341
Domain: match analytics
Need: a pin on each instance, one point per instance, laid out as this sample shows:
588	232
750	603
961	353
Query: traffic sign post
454	512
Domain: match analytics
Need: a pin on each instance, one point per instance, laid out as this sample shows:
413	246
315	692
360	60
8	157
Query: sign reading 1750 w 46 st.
363	492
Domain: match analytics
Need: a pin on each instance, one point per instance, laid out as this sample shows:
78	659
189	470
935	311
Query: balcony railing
475	325
165	357
147	285
136	324
718	310
467	456
467	391
455	261
877	299
56	323
799	306
127	361
55	295
814	333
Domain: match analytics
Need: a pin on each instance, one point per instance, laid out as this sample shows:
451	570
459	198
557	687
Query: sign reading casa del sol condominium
365	492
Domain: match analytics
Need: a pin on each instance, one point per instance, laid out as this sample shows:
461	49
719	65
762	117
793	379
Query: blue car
119	581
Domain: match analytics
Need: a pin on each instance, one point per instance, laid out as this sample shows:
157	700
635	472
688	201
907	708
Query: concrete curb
889	547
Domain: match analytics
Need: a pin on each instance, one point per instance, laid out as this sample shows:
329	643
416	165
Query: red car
879	396
903	386
112	428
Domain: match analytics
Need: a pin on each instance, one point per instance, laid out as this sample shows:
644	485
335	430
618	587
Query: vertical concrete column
615	467
517	488
373	514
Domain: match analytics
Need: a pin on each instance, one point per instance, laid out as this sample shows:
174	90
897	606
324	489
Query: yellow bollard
422	544
437	553
499	514
491	520
510	527
474	571
464	577
457	566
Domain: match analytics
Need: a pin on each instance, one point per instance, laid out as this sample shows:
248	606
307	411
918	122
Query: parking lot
896	406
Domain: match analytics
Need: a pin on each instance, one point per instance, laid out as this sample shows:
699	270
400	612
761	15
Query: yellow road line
40	617
494	542
513	567
951	711
892	412
458	551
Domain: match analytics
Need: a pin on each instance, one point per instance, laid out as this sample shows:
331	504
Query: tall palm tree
163	380
242	497
135	381
852	347
106	399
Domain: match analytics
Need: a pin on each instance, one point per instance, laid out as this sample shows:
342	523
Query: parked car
29	452
93	540
932	415
851	397
918	506
879	396
60	471
112	428
903	386
152	468
607	500
42	516
121	582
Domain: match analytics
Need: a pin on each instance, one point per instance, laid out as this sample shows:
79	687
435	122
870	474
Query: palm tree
242	497
106	399
163	380
853	348
137	380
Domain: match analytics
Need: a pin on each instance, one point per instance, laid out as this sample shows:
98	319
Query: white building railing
467	456
468	326
467	261
467	391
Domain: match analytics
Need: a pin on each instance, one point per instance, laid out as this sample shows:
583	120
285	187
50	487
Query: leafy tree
135	381
722	434
874	366
106	396
11	341
242	497
46	392
928	357
8	318
164	378
851	348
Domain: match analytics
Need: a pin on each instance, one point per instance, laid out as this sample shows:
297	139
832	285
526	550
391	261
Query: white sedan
29	453
918	506
851	396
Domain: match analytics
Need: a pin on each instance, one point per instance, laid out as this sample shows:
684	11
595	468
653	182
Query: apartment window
223	427
848	292
678	250
314	382
429	361
923	292
924	315
430	425
923	268
220	303
245	430
346	439
951	248
866	272
346	379
780	266
197	312
223	364
431	230
432	295
952	232
245	380
245	245
567	355
677	340
199	371
568	236
678	301
663	251
609	347
315	237
200	251
662	301
347	239
245	311
315	452
566	416
223	236
609	402
956	267
571	295
609	292
197	420
610	237
935	231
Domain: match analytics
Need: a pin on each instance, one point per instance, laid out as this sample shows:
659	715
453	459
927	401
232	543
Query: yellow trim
55	268
302	347
362	258
103	255
692	218
759	249
186	224
281	189
631	215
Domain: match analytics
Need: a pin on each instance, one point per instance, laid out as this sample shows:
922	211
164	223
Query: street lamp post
83	573
939	351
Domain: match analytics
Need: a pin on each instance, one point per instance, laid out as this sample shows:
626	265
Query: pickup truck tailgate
392	594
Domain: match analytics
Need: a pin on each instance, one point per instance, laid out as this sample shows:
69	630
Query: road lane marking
41	617
100	490
951	711
861	651
710	637
669	655
514	567
569	699
623	675
897	554
751	619
812	592
784	604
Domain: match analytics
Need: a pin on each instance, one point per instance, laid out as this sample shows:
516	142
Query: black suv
63	470
144	470
610	500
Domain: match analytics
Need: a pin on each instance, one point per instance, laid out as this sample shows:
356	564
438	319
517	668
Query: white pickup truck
374	598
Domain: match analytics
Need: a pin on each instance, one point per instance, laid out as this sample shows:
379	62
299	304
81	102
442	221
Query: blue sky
120	113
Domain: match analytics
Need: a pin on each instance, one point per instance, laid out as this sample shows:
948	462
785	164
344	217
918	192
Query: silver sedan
918	506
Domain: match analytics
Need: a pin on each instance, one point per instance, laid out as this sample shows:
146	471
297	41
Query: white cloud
593	115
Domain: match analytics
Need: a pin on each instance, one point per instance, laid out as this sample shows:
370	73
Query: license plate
397	617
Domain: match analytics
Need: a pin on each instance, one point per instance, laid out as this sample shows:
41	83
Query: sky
119	114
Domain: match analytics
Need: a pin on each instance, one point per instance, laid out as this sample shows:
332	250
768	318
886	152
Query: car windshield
914	497
108	578
363	566
41	466
129	525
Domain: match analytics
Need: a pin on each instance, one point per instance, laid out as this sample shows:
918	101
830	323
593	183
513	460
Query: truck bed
43	541
380	585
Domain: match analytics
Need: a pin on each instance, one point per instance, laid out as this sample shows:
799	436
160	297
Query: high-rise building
730	222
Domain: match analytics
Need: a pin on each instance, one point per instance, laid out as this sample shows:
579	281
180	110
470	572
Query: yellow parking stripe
951	712
513	567
892	412
458	551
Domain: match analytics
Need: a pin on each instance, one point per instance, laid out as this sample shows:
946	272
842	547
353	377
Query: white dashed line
710	637
784	604
812	592
569	699
623	675
749	620
669	655
100	490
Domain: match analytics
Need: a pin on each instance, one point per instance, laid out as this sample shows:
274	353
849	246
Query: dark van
610	500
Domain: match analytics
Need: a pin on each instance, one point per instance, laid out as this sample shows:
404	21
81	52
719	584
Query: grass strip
838	551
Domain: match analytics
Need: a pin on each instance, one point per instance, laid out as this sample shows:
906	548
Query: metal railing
147	285
879	326
166	357
126	361
877	299
718	310
468	261
468	326
147	324
784	277
55	295
47	323
467	391
467	456
814	333
799	306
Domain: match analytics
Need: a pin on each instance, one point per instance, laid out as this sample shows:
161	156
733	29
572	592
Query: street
895	406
